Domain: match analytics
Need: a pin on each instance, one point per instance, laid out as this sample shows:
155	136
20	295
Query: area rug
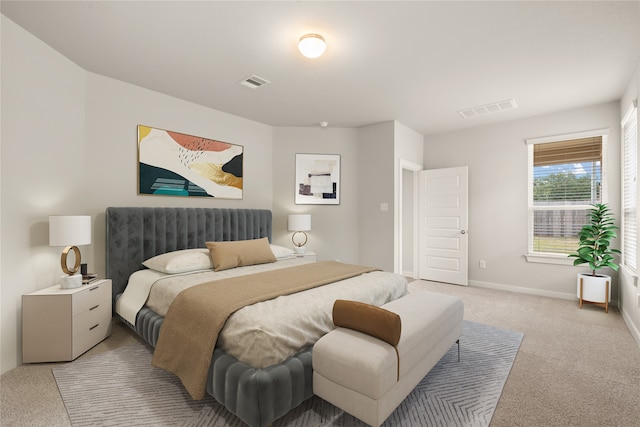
121	388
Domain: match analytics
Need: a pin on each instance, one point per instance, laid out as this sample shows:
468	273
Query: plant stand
604	304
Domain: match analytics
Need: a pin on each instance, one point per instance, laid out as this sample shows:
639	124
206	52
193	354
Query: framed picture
176	164
317	179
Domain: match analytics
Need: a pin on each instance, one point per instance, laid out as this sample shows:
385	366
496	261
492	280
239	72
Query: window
629	188
565	178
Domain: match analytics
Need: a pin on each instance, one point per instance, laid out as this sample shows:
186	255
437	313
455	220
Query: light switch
384	207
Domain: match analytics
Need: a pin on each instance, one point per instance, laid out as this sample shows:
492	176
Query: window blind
575	150
630	190
565	179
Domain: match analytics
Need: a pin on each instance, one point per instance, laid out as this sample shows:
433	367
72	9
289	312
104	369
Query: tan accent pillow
369	319
240	253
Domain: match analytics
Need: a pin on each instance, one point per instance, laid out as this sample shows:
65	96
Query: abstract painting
176	164
317	179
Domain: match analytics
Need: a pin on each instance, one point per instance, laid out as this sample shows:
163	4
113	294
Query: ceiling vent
254	82
483	110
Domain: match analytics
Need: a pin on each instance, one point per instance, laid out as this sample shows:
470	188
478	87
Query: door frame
414	168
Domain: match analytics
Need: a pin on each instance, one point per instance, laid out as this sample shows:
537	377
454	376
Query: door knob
463	231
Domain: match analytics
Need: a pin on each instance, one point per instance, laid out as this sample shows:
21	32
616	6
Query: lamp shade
69	230
299	222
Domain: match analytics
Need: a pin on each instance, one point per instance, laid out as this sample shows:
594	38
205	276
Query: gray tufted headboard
136	234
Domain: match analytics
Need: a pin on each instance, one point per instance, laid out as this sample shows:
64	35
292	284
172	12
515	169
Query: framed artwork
176	164
317	179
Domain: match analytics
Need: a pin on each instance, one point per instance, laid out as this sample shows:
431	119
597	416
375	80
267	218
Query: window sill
549	258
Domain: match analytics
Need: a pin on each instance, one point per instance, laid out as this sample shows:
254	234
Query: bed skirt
256	396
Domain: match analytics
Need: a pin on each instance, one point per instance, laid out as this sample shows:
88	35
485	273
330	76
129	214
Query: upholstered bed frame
257	396
136	234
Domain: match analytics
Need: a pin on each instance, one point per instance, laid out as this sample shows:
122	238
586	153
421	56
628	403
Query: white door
443	221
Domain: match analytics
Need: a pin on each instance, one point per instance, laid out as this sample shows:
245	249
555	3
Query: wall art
317	179
176	164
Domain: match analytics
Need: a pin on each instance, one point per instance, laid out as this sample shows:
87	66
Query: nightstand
61	324
308	256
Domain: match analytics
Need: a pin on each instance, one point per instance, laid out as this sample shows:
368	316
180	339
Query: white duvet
268	332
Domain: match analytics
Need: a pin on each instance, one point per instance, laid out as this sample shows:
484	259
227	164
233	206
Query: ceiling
415	62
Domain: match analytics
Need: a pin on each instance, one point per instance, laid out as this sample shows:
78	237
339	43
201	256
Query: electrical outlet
483	263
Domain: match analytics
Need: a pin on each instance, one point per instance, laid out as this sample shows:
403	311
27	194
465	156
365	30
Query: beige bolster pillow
369	319
240	253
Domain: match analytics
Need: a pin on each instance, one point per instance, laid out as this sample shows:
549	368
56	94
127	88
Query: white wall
497	160
629	290
43	168
377	185
69	147
114	109
357	230
334	231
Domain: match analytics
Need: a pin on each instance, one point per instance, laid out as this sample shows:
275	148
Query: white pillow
281	252
180	261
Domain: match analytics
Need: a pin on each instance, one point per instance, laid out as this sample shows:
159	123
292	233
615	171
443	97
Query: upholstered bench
368	377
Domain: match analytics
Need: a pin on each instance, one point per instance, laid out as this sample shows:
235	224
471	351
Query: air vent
483	110
254	82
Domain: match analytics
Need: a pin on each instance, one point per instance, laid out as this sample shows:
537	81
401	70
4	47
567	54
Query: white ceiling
416	62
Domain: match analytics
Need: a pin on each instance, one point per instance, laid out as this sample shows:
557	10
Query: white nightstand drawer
91	295
90	336
84	321
309	256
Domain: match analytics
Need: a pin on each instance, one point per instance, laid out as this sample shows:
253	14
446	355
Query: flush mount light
312	45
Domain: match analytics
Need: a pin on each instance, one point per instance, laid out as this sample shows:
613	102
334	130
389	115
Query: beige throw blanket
192	324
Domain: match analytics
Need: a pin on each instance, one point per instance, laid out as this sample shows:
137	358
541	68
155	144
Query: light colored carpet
120	387
575	367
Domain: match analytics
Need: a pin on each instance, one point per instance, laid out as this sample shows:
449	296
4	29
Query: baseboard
635	333
408	273
528	291
8	365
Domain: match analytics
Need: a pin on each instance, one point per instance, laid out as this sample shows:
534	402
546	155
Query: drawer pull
94	307
94	326
94	288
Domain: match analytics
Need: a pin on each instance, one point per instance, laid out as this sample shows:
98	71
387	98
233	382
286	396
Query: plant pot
594	288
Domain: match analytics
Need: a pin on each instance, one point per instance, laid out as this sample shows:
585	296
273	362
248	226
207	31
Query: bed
257	394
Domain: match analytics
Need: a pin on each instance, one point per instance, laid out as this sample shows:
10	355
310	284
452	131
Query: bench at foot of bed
366	377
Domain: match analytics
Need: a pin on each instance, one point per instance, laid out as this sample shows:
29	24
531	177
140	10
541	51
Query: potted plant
594	249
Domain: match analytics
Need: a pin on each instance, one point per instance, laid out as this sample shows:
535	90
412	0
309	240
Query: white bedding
158	289
268	332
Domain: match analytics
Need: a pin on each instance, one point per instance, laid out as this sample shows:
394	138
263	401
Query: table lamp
70	231
299	223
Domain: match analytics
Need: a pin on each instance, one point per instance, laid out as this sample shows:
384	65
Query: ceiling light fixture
312	45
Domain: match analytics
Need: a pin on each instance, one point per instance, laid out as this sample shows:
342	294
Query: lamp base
71	282
300	249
